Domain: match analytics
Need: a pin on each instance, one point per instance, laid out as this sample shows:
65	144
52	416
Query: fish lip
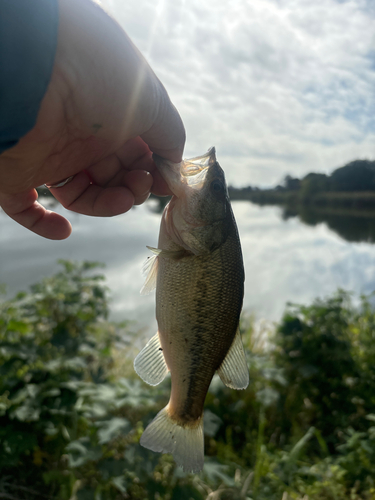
170	172
191	172
199	165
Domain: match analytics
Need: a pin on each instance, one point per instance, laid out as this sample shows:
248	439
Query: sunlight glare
160	7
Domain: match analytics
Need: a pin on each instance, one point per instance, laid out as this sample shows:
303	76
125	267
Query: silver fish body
199	276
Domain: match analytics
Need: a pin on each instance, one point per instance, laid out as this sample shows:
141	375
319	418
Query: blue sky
278	86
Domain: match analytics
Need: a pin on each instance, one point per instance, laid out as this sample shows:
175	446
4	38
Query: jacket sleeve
28	39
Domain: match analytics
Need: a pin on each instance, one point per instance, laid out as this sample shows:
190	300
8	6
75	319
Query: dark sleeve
28	38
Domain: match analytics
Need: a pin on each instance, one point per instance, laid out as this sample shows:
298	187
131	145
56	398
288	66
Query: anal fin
233	371
150	363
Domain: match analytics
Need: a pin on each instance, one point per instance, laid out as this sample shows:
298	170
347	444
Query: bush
70	421
65	425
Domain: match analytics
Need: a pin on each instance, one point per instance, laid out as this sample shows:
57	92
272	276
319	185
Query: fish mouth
194	170
191	172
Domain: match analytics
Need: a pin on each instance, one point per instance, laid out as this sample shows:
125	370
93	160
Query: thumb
166	137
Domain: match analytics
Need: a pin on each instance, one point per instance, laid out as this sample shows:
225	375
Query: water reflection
287	257
349	224
352	225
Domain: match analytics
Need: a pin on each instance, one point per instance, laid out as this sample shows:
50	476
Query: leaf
81	452
297	449
111	429
18	326
119	482
267	396
212	423
53	392
26	413
216	472
33	390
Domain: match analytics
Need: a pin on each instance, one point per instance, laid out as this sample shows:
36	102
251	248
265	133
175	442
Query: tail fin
185	443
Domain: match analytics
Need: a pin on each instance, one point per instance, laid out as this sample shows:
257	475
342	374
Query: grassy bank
72	410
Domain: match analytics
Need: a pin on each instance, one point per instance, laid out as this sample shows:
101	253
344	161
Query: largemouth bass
198	273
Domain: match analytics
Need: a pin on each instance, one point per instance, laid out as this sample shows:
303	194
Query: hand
103	115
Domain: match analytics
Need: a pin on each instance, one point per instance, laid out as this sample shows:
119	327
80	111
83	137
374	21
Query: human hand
103	115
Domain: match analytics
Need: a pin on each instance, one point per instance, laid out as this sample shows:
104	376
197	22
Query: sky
277	86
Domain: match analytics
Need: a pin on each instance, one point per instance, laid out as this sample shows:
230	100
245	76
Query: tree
359	175
314	183
291	183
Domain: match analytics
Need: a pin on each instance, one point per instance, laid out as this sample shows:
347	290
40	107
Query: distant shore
351	200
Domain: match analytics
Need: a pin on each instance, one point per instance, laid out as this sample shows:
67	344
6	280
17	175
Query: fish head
198	216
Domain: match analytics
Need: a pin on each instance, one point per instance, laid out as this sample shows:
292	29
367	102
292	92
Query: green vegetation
351	186
345	200
72	410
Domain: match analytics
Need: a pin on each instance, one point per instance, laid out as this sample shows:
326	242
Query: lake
286	259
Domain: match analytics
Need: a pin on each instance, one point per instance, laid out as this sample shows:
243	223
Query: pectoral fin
169	254
150	270
150	363
150	267
233	371
155	251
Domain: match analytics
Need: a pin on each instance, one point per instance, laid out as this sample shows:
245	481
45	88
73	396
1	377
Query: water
285	258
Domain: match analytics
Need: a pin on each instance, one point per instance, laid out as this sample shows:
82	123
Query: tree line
358	175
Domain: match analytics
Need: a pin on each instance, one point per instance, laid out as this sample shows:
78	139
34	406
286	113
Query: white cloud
278	86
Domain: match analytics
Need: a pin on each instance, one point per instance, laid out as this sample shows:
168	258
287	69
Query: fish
197	270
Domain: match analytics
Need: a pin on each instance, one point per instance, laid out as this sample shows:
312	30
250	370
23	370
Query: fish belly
198	304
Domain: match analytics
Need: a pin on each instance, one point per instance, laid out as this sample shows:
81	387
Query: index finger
24	209
83	196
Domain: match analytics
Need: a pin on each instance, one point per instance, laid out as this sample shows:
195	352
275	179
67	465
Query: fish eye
217	186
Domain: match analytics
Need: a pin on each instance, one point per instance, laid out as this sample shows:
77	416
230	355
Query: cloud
278	86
